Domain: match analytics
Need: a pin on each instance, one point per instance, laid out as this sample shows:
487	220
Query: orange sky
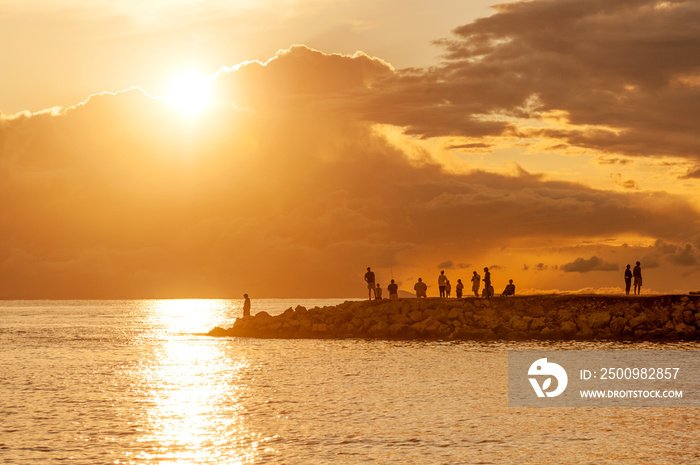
553	141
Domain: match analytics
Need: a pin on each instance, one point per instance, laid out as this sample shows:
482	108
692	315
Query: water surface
90	382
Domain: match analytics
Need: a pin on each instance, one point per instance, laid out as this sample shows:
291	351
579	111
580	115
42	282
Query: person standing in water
246	306
637	274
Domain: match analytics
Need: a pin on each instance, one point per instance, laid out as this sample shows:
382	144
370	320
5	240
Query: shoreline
541	317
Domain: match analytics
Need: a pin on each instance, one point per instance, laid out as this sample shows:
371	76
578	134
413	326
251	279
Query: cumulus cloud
583	265
284	190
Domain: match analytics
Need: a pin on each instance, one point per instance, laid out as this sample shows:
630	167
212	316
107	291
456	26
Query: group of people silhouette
421	289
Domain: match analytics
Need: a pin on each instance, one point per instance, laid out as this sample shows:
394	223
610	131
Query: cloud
285	189
582	265
616	77
450	265
685	255
299	77
693	173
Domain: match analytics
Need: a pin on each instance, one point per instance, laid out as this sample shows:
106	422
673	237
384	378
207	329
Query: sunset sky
206	148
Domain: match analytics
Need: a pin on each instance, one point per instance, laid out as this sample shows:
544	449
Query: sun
189	92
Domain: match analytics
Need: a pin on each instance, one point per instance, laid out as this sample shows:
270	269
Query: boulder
685	331
617	324
638	320
598	320
568	327
688	317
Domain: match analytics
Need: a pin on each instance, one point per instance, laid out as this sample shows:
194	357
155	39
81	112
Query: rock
598	319
685	331
568	327
455	313
519	324
300	310
638	320
537	324
319	328
399	330
542	317
217	332
380	329
688	317
400	319
677	316
617	324
305	325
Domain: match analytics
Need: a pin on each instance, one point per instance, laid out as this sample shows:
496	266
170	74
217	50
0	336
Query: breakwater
544	317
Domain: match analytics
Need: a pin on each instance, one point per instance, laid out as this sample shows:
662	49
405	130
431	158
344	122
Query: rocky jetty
544	317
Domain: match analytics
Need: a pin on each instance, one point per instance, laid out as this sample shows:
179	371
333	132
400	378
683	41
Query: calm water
131	382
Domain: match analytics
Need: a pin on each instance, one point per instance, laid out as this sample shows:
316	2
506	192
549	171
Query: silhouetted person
393	289
637	274
420	288
459	288
448	288
246	306
628	280
510	288
442	283
487	283
369	278
378	292
476	282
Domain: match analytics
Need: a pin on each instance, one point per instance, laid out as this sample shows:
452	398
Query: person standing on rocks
369	279
458	288
421	289
448	288
442	283
476	282
637	274
246	306
628	280
487	283
393	289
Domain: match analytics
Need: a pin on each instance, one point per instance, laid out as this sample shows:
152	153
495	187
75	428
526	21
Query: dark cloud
625	183
450	265
621	76
685	255
582	265
693	173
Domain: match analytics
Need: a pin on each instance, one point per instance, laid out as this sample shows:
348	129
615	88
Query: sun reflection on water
193	391
191	316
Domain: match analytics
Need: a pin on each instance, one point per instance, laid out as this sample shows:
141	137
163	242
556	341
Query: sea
139	382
